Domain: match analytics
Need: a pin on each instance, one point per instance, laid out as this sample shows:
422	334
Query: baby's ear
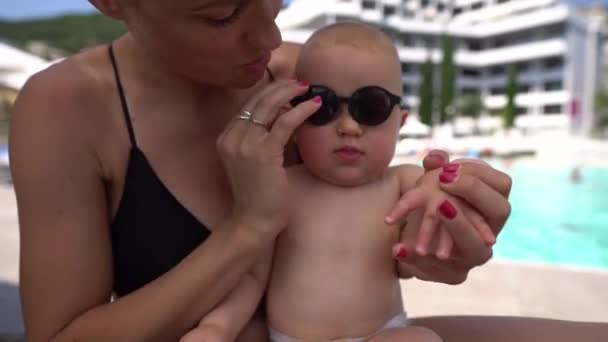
404	115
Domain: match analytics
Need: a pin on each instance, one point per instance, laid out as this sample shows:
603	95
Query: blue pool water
555	220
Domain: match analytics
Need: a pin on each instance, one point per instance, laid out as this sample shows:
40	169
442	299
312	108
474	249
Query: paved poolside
498	288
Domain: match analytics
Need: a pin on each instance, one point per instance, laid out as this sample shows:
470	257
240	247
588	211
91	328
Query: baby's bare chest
343	220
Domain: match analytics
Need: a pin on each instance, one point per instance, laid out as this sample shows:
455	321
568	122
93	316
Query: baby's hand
422	205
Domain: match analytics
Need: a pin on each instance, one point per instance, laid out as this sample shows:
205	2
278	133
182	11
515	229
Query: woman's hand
252	148
485	190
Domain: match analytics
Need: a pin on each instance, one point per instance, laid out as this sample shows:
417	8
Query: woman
126	159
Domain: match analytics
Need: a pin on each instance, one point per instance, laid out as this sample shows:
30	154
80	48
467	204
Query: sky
20	9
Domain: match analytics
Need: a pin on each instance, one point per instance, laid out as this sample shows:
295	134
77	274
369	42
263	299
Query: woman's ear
110	8
404	115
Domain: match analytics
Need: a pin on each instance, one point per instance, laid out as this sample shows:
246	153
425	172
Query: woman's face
216	42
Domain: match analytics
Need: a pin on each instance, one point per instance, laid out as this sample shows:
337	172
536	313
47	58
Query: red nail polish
451	167
448	210
303	83
402	253
447	178
316	99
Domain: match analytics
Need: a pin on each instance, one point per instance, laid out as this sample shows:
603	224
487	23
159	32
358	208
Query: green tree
425	94
600	120
70	33
471	105
447	78
510	111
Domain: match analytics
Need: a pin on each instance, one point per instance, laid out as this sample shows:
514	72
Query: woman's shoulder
70	81
62	104
284	58
70	89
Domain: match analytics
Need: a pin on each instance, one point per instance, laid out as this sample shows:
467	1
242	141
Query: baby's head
350	144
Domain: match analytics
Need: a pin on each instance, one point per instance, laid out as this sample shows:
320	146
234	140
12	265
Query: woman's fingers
268	107
428	268
232	136
490	203
495	179
480	224
286	124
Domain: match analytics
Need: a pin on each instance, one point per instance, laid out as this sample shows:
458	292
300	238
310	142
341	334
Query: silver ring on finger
245	115
248	116
260	123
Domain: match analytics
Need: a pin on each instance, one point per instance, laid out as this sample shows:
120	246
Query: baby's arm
225	322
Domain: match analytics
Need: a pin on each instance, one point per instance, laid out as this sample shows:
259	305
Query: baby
333	272
333	275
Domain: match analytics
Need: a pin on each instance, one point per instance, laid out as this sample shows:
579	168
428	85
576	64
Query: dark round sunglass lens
372	106
329	104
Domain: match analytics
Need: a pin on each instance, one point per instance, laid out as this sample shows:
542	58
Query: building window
406	89
424	3
522	66
553	62
553	85
552	109
502	1
477	5
389	10
556	30
521	111
497	91
405	68
470	72
457	10
523	88
500	42
368	4
474	45
497	70
406	40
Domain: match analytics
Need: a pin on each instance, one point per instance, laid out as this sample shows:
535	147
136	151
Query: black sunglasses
369	106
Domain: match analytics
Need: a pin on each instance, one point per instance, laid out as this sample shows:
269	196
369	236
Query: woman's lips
259	64
349	153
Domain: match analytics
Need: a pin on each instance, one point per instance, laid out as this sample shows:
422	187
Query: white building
556	50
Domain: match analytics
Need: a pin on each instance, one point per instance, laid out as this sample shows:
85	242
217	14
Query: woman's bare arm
231	315
66	260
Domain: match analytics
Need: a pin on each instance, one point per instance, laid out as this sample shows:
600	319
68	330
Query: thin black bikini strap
123	99
270	75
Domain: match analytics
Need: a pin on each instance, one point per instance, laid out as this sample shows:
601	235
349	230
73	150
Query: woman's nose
265	35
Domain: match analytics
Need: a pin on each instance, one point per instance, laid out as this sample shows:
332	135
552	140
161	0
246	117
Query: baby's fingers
409	201
444	250
428	228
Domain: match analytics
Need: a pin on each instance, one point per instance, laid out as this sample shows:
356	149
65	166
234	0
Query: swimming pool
555	220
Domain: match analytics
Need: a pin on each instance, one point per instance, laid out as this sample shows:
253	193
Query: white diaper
399	321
